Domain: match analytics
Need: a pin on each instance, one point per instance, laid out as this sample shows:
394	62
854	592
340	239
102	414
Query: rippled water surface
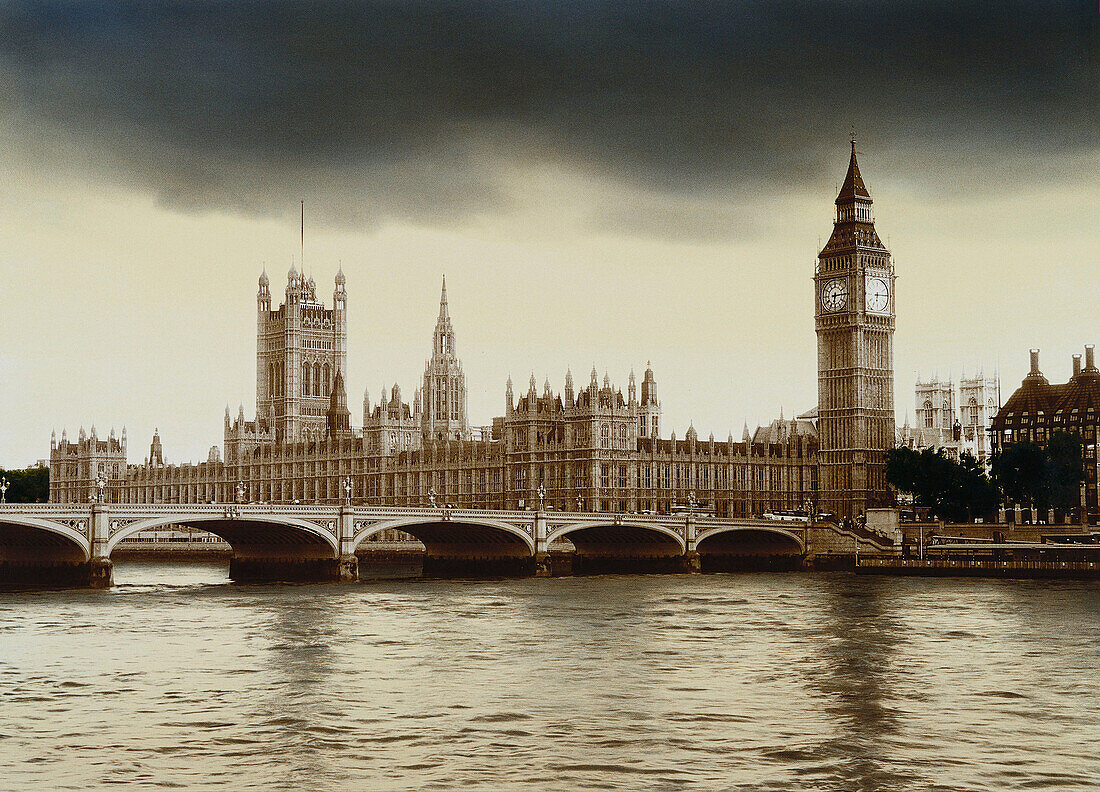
751	681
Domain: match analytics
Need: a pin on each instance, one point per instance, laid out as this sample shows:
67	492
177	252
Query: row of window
316	379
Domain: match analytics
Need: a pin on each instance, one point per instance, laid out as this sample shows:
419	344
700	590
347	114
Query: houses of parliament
588	447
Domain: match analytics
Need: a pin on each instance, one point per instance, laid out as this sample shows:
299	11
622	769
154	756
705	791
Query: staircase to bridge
71	544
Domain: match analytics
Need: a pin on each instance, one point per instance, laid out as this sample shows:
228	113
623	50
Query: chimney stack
1035	363
1090	362
1076	365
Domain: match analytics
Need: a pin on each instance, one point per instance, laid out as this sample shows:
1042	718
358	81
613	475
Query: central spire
444	391
853	188
444	332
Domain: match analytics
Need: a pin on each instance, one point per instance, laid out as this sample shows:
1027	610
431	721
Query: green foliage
27	486
952	490
1065	469
1042	478
1020	471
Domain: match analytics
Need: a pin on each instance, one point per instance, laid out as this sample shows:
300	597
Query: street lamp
347	489
692	503
432	496
4	484
542	496
101	484
580	503
240	492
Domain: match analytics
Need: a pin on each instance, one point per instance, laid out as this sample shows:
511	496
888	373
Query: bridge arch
33	539
749	532
631	529
267	535
616	545
433	530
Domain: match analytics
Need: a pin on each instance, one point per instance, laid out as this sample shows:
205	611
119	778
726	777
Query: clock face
878	295
834	295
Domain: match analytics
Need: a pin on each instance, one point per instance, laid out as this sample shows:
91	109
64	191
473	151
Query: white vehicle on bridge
785	515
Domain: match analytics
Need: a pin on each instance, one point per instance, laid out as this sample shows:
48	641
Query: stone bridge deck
273	541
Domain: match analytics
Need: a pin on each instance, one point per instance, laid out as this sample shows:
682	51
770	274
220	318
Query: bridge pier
101	573
690	562
543	565
348	569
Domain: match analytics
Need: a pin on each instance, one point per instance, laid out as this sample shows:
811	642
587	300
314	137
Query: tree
27	486
974	492
1020	471
901	468
1042	477
953	490
1065	469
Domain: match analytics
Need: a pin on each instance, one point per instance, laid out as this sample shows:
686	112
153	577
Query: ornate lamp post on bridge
432	495
4	484
241	491
692	503
101	485
346	483
542	496
580	503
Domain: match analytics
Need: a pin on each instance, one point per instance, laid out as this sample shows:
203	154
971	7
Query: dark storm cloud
412	109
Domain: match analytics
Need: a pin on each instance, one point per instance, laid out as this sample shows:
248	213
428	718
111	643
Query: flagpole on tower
303	260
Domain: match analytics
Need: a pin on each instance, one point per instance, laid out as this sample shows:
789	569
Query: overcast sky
602	183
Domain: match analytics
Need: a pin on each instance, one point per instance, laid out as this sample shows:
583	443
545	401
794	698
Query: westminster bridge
71	544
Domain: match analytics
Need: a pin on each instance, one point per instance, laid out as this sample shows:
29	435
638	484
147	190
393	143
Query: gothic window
315	390
622	436
974	411
327	380
306	380
928	415
605	436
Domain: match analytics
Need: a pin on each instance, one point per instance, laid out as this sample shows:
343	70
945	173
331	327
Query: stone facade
590	449
957	426
76	467
854	285
299	349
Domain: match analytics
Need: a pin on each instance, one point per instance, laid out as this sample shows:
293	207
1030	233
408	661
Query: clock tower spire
854	285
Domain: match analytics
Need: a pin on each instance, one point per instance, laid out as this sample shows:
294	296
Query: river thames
176	678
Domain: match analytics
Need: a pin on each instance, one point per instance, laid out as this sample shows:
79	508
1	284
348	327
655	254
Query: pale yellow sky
602	183
119	311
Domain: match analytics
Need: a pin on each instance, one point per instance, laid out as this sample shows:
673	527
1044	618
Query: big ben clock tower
854	286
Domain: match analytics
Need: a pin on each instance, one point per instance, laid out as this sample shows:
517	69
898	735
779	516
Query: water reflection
857	674
746	682
299	712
